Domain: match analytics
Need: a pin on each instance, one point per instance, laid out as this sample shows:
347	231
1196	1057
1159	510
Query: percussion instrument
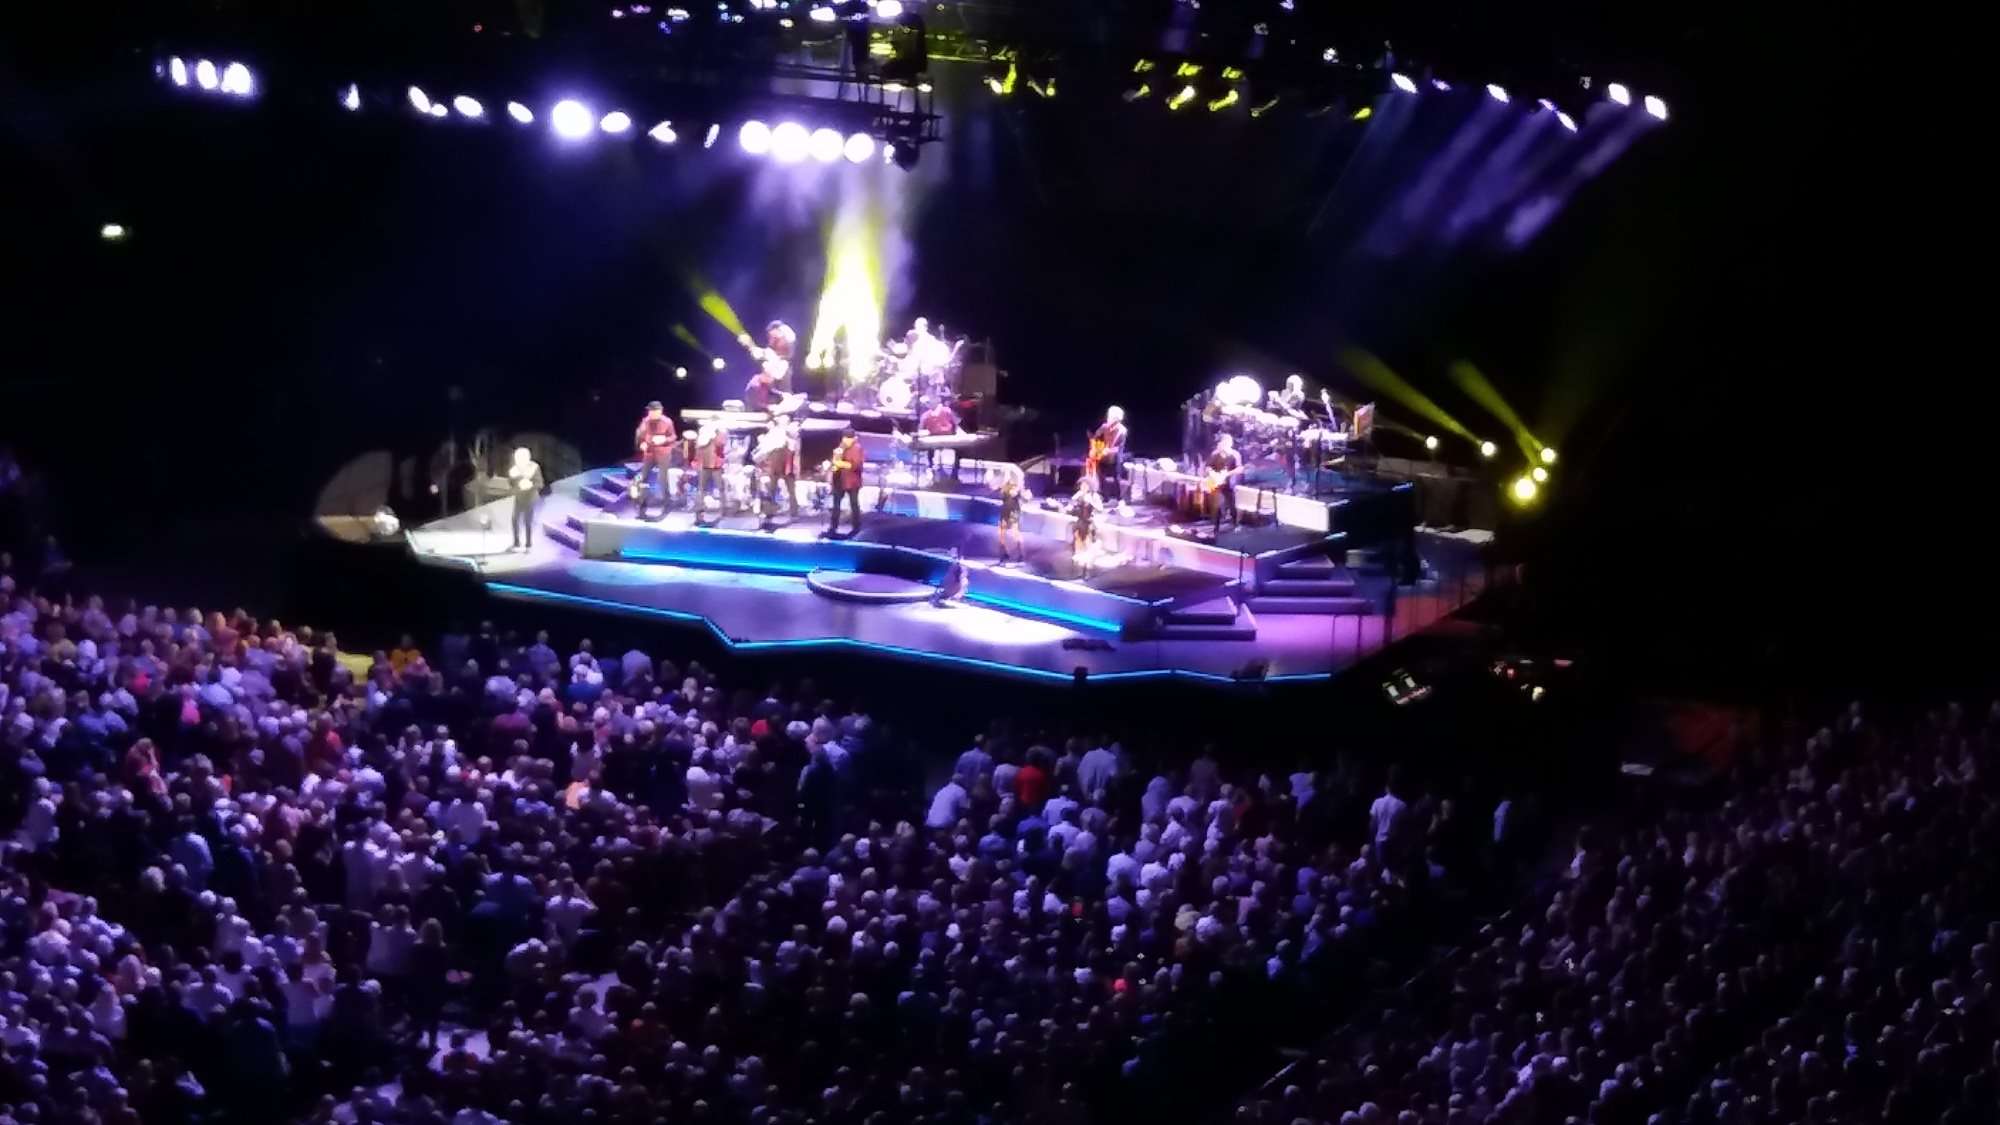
894	393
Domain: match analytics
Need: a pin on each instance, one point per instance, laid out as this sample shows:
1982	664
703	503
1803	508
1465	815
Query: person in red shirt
711	449
757	392
654	440
845	480
939	420
1031	783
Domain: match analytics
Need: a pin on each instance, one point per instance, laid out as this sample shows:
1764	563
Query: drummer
1292	400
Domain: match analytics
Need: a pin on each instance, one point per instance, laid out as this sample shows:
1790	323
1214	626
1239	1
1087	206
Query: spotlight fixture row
787	142
230	78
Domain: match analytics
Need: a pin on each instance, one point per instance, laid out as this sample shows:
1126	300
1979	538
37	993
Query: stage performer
1012	496
939	420
1084	507
711	450
775	356
1224	466
775	456
845	479
1107	453
1292	400
656	442
524	479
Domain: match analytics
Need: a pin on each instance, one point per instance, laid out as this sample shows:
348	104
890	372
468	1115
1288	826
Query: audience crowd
249	877
253	878
1817	945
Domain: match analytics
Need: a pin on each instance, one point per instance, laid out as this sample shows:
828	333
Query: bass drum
893	394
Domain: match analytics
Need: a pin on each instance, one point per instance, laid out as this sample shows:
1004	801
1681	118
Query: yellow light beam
686	336
1477	387
716	306
1370	369
850	305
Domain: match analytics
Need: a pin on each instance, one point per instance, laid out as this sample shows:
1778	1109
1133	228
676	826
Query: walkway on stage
754	612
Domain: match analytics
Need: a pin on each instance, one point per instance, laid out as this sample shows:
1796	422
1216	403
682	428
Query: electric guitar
1216	478
1099	450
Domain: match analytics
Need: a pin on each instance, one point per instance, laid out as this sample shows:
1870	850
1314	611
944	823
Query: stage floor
753	613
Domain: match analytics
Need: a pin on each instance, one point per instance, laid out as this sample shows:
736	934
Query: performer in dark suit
846	480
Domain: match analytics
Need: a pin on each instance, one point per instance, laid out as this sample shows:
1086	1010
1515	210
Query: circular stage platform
875	589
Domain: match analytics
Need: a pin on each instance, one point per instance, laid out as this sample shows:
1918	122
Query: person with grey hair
525	484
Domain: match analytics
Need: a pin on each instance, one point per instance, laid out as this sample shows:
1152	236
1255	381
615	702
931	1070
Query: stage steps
1221	619
568	536
1315	584
1313	605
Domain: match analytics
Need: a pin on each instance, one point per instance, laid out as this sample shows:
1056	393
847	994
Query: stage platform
1269	603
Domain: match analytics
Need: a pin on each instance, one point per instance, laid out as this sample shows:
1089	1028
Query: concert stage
1274	602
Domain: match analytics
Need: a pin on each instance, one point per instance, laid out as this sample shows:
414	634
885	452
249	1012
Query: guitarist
844	477
1106	461
1224	466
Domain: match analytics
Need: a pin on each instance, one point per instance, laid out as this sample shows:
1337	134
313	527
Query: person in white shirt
567	909
948	805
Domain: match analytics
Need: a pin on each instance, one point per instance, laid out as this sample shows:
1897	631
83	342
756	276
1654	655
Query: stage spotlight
468	107
789	142
1618	93
438	109
663	133
755	137
1364	113
350	98
419	101
177	70
822	14
1440	85
1496	91
1488	449
859	147
204	75
680	372
615	122
1431	443
1185	96
1656	106
825	145
1217	105
1548	455
708	138
888	154
236	80
889	10
1404	83
571	119
1540	474
112	232
520	113
1566	120
1524	489
718	363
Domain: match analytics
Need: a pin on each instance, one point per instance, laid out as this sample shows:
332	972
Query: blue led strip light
1027	610
529	593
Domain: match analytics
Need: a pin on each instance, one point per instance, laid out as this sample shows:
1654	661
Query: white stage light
1496	91
236	80
755	137
438	110
205	76
708	138
617	121
111	232
680	372
889	10
859	147
419	101
718	363
1618	93
888	154
521	113
177	70
822	15
1404	83
1440	85
350	98
825	145
789	142
1656	106
571	119
663	133
1568	122
468	107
